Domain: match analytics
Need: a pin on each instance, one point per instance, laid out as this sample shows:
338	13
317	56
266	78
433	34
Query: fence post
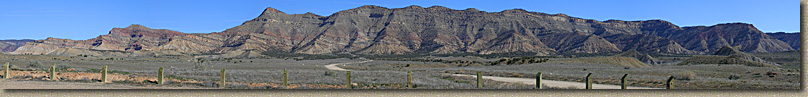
285	78
223	84
670	83
104	74
160	76
409	79
589	81
623	81
538	80
53	72
479	79
6	74
348	75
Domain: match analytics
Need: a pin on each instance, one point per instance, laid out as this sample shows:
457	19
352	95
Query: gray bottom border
439	93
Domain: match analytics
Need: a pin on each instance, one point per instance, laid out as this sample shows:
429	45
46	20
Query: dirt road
334	66
549	83
553	83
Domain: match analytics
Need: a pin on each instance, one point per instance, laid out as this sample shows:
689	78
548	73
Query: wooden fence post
6	74
479	79
589	81
104	74
223	84
348	75
538	80
285	78
160	76
670	83
409	79
53	72
623	81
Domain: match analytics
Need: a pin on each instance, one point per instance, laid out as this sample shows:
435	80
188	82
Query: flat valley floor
79	72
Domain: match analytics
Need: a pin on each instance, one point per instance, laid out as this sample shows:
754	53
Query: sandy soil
12	84
21	84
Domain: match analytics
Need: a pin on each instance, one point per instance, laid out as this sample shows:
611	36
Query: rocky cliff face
11	45
129	39
416	30
792	39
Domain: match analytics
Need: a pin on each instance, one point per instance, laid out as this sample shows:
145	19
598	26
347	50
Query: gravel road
550	83
334	66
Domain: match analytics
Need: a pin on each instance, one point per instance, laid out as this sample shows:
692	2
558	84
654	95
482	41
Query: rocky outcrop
792	39
375	30
436	29
645	58
11	45
121	40
648	43
727	50
710	39
578	43
729	55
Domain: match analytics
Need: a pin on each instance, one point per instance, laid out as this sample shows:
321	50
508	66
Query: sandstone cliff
375	30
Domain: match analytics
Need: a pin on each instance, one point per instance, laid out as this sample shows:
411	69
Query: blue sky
84	19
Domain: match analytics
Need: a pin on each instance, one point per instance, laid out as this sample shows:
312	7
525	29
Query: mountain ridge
376	30
12	44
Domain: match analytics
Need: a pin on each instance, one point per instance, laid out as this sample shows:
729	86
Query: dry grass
685	75
612	60
707	76
379	74
714	59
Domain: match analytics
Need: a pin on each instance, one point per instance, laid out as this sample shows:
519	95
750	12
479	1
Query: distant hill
610	60
375	30
11	45
792	39
645	58
729	55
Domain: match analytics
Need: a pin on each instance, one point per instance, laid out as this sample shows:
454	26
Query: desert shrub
149	82
92	70
734	77
62	67
516	75
329	73
685	75
704	59
238	86
177	77
118	72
